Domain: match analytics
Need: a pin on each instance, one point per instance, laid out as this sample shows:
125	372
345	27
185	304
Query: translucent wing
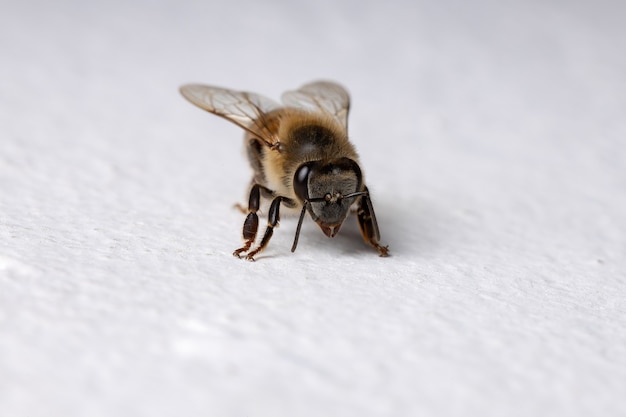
324	96
247	110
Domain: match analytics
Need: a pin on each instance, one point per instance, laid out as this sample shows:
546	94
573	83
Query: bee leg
251	224
369	225
241	208
272	221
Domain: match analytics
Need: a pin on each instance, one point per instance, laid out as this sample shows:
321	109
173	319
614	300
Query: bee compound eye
301	181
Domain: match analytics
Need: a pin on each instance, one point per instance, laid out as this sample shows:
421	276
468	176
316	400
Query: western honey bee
301	157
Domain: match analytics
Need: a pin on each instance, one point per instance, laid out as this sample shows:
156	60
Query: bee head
328	189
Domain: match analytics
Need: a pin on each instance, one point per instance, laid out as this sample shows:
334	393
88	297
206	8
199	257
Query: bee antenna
357	194
302	213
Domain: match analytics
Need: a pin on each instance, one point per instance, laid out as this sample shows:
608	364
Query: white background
492	134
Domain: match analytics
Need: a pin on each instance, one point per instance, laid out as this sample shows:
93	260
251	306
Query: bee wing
246	110
325	96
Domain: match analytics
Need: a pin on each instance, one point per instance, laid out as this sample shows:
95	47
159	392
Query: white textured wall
493	138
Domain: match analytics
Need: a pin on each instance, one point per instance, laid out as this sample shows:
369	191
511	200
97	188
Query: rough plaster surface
493	138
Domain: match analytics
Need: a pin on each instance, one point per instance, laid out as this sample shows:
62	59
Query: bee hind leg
251	224
272	221
369	225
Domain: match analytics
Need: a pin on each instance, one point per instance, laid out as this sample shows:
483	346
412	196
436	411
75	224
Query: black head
327	189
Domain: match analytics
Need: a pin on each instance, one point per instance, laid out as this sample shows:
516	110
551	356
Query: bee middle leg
251	224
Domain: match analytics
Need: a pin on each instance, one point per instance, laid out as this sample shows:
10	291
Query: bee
301	158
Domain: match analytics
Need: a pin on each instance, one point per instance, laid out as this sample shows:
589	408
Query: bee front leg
251	224
369	225
272	221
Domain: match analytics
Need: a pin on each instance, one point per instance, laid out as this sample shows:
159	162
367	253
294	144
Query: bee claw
241	208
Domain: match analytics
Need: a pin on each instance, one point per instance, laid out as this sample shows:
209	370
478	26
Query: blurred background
492	138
